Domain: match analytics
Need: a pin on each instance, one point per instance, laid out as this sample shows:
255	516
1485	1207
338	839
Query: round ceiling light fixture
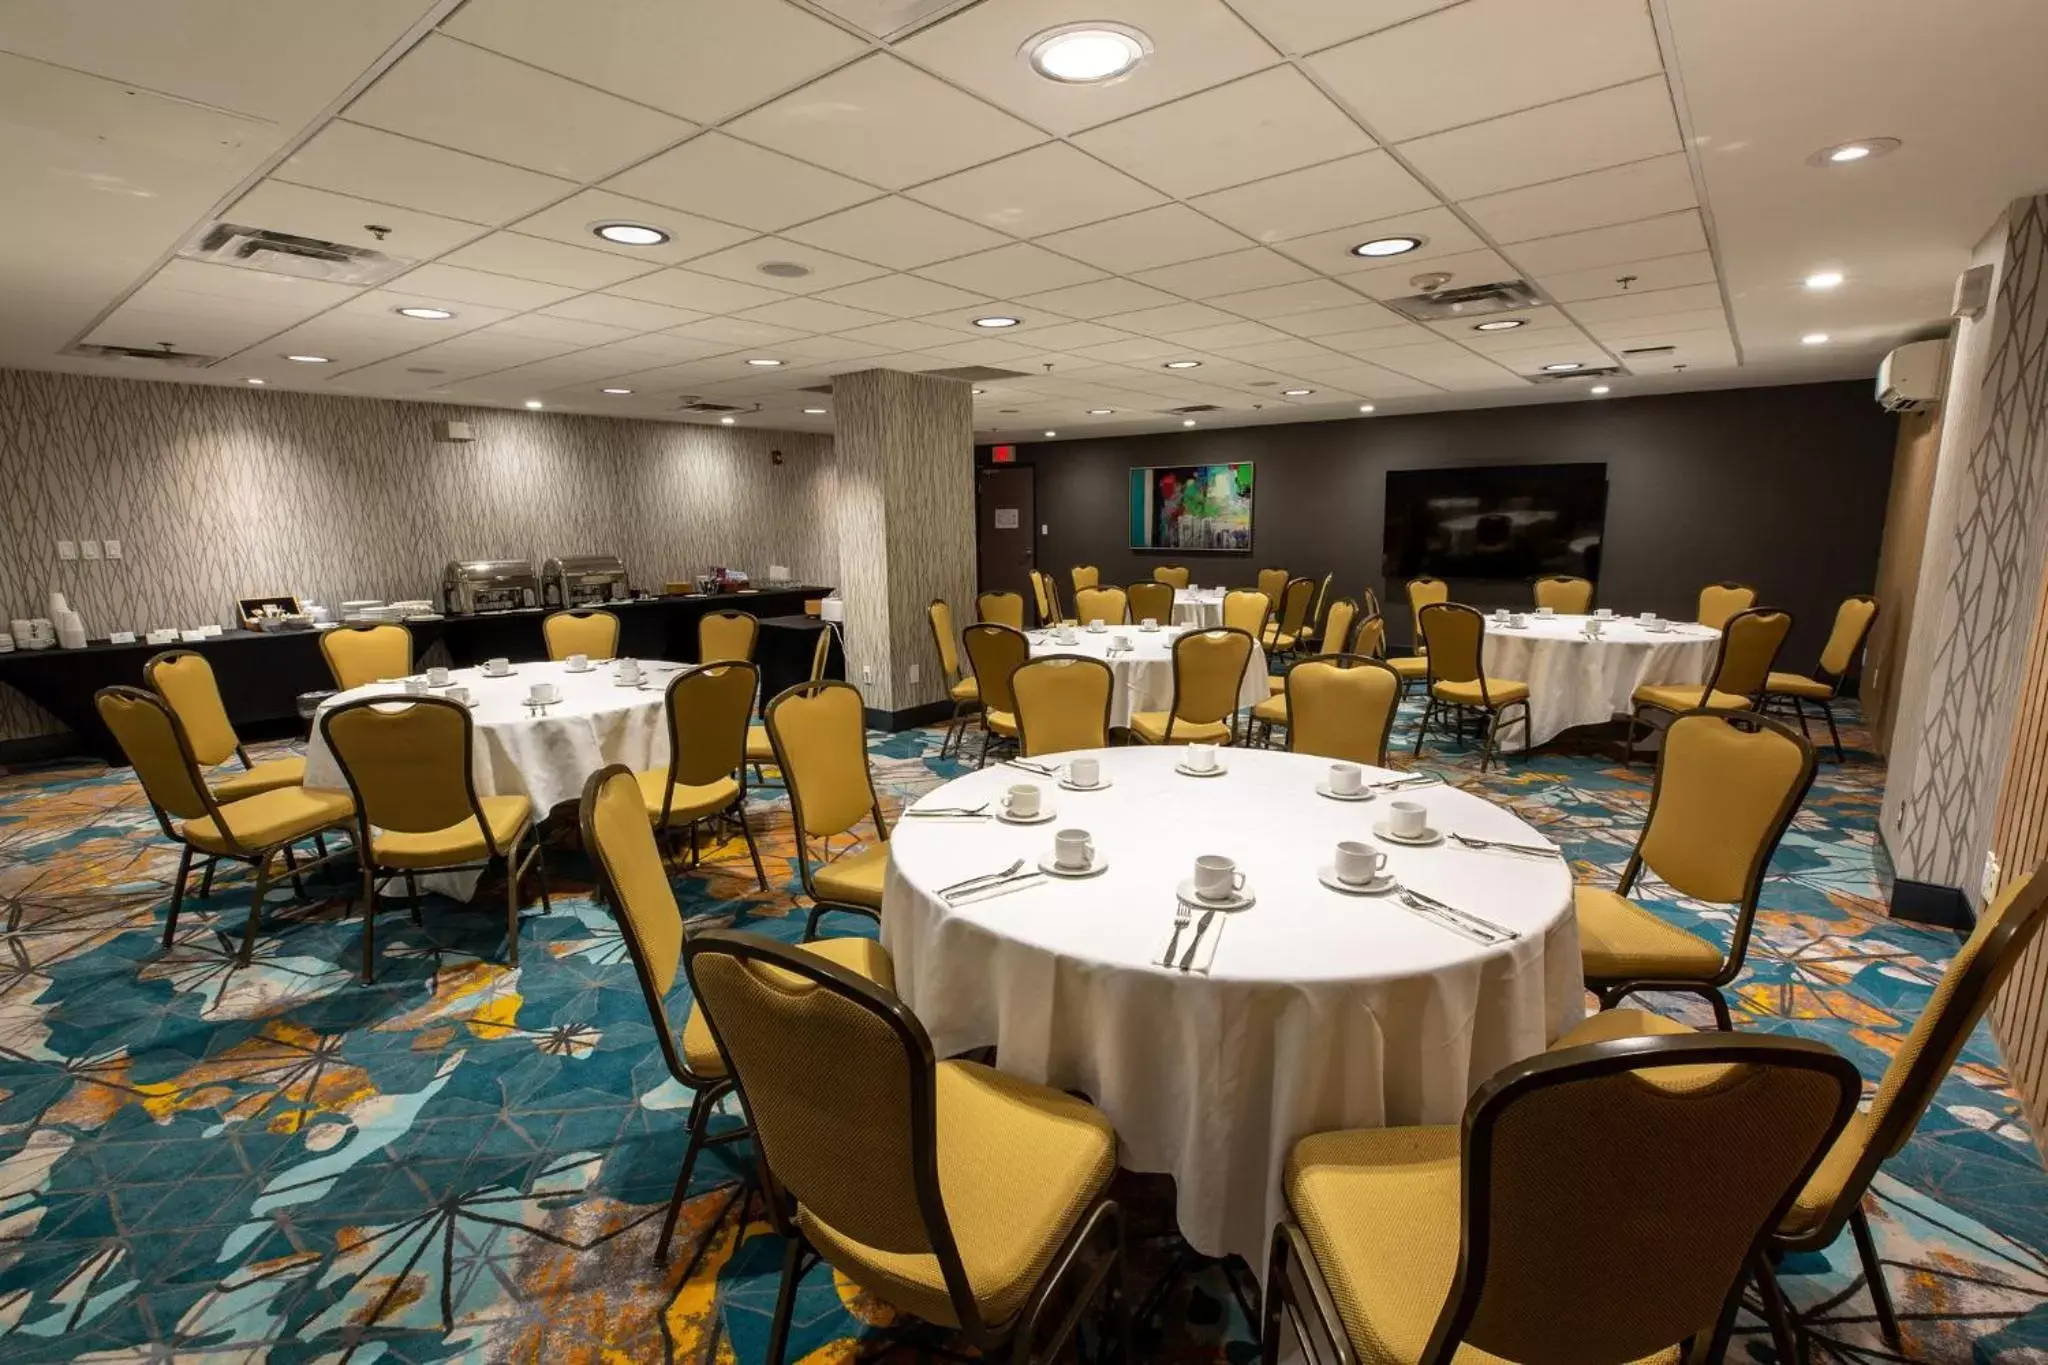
995	323
1365	407
1183	365
630	234
425	314
725	421
535	404
1296	393
1814	339
1849	153
1050	434
1600	390
253	381
1387	246
1500	325
814	412
784	270
1086	53
1824	279
311	359
1100	412
616	393
764	363
1563	367
1187	421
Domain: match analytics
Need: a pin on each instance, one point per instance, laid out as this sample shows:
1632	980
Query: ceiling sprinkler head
1430	281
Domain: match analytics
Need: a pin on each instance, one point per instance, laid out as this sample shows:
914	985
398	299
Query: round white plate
1362	794
1051	868
1238	900
508	673
1045	813
1378	886
1384	829
1102	785
1185	771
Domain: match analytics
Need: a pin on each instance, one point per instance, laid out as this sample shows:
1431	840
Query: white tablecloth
1144	673
545	758
1321	1010
1576	681
1198	607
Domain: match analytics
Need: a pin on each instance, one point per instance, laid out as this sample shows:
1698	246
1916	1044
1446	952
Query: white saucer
486	673
1378	886
1185	771
1097	630
587	668
1051	868
1384	829
1148	630
1045	813
1073	786
640	681
1239	900
1362	794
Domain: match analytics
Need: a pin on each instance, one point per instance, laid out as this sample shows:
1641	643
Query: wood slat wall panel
2019	1016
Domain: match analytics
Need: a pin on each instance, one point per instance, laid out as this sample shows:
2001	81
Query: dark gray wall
1783	487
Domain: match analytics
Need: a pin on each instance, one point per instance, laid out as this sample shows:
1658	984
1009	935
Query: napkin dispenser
474	587
584	580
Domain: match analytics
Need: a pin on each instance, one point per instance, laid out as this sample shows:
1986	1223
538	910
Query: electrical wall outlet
1988	887
89	549
67	549
867	673
915	671
113	549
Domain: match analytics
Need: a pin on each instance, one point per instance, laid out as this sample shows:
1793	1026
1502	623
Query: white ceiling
1643	163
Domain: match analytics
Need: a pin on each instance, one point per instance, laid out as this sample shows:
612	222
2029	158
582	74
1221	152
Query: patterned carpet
468	1163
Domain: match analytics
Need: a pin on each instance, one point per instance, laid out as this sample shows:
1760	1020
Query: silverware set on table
1182	913
973	890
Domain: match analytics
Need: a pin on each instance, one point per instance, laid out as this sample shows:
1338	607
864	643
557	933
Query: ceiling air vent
161	355
1193	408
281	253
704	405
975	374
1649	350
1471	301
1573	376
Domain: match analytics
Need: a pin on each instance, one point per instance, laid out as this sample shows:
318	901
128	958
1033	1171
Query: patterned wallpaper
1988	533
906	523
219	493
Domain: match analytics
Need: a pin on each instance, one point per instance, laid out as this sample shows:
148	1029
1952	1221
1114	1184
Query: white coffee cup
460	694
1344	778
1500	613
543	693
1120	640
1656	625
415	686
437	677
1073	848
629	669
1021	801
1605	613
1064	634
1546	611
1201	757
497	668
1517	620
578	662
1407	819
1149	623
1217	877
1358	863
1594	626
1647	617
1097	625
1084	772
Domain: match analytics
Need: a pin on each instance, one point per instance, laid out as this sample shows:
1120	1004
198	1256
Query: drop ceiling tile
699	293
736	331
574	220
1227	334
198	323
1133	352
1708	349
887	122
1019	268
476	286
901	296
1588	133
1282	353
1231	273
1248	130
1196	44
703	60
962	321
1355	316
905	335
633	314
484	351
1466	268
1640	303
989	351
369	163
1376	338
1486	58
897	233
1532	361
533	258
813	315
1670	235
724	178
1538	325
1619	194
1044	189
1099	299
1163	236
1627	277
459	96
561	329
306	212
1353	189
647	352
379	306
1286	300
1307	25
744	262
1179	317
1634	331
1442	232
1074	336
833	348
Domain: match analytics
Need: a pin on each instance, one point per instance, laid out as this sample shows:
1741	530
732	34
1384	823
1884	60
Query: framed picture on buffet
1194	509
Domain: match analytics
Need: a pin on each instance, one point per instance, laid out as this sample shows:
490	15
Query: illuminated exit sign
1005	454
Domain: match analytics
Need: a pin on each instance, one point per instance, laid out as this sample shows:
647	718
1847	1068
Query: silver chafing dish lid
492	570
573	565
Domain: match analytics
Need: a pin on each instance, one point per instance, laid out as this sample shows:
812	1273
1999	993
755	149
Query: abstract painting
1192	507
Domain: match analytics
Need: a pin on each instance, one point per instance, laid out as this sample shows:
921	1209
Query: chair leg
1722	1019
753	849
412	896
1422	729
255	910
320	845
1273	1300
206	877
292	866
178	894
700	1121
1492	732
1873	1274
1799	710
1784	1340
1827	708
811	924
512	907
785	1302
369	923
1628	738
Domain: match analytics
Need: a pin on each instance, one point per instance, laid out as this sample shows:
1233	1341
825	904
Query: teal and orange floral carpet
468	1162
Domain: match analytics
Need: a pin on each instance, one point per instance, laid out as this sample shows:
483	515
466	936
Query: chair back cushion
1423	591
1062	703
595	633
1342	706
1086	576
1749	648
1150	599
185	681
1337	624
1565	595
1719	601
1100	604
1247	611
1454	633
1003	608
1371	636
147	731
995	652
1727	786
408	761
941	617
1852	623
1295	603
1273	583
357	655
1208	671
708	710
1173	575
819	731
726	635
618	835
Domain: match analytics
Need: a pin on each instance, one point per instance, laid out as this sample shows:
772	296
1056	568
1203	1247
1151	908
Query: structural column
903	446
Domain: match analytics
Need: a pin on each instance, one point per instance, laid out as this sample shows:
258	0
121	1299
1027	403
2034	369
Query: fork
941	812
1476	924
1182	913
962	885
1495	846
1028	767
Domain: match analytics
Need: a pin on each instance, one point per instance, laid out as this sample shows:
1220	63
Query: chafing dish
472	587
584	580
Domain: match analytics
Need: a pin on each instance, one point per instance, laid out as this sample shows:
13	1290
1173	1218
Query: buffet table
262	675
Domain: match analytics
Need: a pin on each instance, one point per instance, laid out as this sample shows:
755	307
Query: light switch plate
89	549
67	549
113	549
1987	885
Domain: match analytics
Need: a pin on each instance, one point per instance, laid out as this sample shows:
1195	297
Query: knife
1187	959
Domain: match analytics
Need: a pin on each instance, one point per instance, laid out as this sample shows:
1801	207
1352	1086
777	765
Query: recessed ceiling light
1814	339
1365	407
979	392
1183	364
1100	412
1564	367
995	322
1599	389
1086	54
615	392
784	270
1050	434
1824	279
814	412
425	314
1296	393
725	421
1387	246
310	359
631	234
1848	153
1499	325
764	363
535	404
253	381
1187	421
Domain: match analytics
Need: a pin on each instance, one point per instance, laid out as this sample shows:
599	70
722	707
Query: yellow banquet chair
1312	629
966	1197
410	766
1208	677
1338	706
1107	605
632	879
1337	625
819	730
1283	635
961	688
1273	710
186	683
995	652
1062	704
1047	595
359	655
726	635
1247	610
1719	601
1742	668
1728	784
1085	576
1853	620
1458	683
1001	608
1565	594
1369	636
257	829
1173	575
1153	600
1422	592
707	708
594	634
1273	583
1600	1205
759	751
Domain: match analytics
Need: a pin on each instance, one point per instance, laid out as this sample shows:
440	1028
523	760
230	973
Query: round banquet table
1318	1010
1198	607
1574	680
1144	672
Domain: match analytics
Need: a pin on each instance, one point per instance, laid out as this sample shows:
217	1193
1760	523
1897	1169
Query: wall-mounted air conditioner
1909	379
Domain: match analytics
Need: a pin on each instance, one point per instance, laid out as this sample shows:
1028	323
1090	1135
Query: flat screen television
1495	523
